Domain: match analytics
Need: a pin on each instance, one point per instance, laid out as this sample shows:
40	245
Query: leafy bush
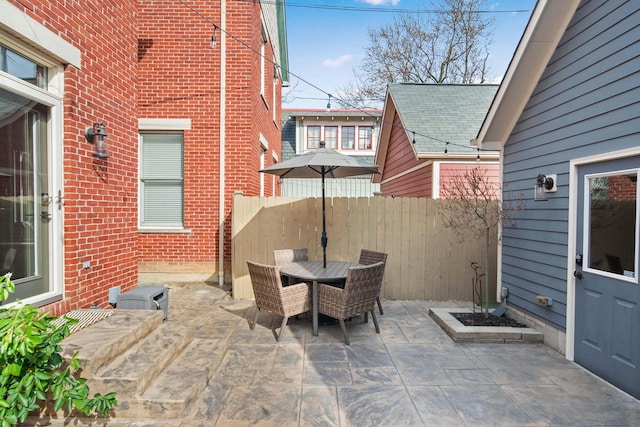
34	371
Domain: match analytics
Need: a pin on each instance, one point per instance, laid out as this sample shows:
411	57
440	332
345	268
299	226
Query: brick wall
100	197
179	77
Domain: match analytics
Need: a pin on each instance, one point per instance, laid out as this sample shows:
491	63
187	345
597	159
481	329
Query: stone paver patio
411	374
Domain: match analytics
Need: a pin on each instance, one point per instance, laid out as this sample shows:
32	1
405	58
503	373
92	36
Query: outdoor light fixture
214	39
544	184
97	135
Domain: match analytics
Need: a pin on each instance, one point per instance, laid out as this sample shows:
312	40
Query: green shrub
34	371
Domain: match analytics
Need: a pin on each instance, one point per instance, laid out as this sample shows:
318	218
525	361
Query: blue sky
326	44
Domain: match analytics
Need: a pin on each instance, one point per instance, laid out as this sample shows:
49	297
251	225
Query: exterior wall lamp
544	184
97	135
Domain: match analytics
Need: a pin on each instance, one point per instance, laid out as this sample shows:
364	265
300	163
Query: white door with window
607	312
30	188
25	201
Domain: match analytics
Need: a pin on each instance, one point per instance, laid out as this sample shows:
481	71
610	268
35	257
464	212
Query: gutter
223	96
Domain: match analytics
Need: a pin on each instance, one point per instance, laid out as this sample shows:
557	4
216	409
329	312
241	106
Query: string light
478	155
342	101
413	141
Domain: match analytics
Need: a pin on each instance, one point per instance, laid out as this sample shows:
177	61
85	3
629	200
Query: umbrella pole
324	227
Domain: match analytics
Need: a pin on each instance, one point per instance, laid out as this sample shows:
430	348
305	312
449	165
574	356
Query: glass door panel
612	223
24	199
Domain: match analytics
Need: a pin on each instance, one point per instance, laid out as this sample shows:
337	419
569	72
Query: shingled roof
442	112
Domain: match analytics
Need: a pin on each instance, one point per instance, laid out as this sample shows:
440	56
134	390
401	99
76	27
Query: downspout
223	96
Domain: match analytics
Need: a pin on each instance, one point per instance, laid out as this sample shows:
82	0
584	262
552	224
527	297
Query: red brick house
426	136
76	221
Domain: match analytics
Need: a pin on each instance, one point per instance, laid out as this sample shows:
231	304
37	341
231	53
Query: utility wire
339	100
379	9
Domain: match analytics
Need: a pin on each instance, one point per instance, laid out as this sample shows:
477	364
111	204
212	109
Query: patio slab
412	373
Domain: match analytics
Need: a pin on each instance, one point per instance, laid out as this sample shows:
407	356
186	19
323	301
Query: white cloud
381	2
337	62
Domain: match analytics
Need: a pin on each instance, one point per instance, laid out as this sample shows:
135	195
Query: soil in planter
479	319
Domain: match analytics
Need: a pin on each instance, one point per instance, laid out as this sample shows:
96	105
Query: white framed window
339	137
331	137
348	137
161	179
314	136
365	134
263	73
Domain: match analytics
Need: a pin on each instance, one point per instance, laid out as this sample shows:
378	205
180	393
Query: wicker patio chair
270	295
371	257
287	256
358	296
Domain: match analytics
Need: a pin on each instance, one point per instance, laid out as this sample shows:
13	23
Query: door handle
45	215
577	275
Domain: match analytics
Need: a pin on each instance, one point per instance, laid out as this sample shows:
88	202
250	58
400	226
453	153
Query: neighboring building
351	132
426	137
569	109
75	223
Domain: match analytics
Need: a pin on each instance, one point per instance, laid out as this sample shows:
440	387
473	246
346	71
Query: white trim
435	181
30	91
571	235
31	31
222	121
53	100
586	254
164	124
263	142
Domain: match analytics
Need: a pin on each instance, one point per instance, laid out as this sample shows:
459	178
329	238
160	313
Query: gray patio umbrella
321	163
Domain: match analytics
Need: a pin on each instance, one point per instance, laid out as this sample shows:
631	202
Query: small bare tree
471	207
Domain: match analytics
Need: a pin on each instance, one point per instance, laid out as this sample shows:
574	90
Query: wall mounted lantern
97	135
544	184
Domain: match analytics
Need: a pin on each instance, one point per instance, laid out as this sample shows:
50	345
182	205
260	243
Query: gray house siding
288	149
587	102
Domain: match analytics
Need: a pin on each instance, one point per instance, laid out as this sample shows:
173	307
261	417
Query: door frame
574	165
53	100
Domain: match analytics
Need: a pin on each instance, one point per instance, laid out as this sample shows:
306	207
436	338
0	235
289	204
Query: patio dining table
314	271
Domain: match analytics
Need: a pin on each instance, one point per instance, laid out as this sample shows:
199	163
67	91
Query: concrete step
130	373
171	394
105	340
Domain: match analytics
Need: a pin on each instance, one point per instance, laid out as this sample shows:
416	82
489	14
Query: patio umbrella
321	163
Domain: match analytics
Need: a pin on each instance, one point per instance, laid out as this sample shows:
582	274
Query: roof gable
440	113
546	26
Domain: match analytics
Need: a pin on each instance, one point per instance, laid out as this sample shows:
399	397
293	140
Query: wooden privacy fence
425	260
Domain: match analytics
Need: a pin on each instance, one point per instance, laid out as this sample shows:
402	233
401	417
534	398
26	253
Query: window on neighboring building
313	136
161	179
331	137
364	138
348	137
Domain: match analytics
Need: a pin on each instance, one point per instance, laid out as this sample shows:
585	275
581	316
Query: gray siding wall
587	102
288	137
